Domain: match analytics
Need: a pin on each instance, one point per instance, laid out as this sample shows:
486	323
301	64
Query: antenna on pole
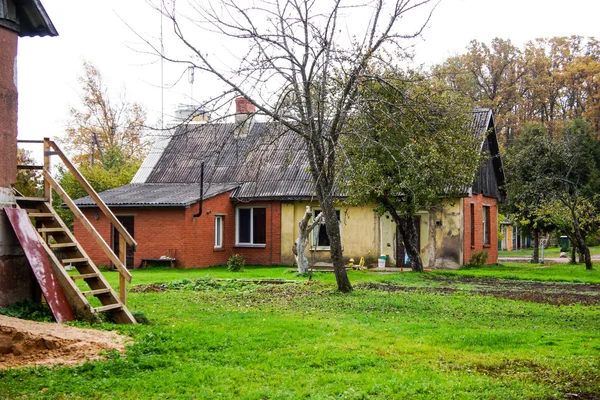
162	60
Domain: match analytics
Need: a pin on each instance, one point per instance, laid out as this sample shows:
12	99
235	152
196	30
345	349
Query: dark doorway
400	249
127	222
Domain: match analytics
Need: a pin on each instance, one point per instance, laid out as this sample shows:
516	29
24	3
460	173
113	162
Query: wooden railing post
47	188
123	258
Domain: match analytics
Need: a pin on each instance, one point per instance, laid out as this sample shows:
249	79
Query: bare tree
300	64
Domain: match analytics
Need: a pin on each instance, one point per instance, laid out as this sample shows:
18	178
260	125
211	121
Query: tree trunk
301	242
335	245
536	247
409	234
405	227
400	249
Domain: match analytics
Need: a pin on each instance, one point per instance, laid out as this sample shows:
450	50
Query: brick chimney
244	111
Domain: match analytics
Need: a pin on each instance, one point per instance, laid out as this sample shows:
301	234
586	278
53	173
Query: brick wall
478	202
158	230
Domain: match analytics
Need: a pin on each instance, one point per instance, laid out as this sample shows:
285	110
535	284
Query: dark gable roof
31	18
155	195
270	163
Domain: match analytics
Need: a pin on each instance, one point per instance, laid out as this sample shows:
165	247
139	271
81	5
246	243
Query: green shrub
478	259
236	263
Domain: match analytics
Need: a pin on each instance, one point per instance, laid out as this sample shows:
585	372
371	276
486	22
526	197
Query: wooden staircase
64	250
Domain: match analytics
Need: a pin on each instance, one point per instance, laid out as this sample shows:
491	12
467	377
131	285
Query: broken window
320	237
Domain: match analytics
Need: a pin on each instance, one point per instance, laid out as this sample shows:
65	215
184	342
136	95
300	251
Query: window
472	224
218	232
251	226
486	225
320	237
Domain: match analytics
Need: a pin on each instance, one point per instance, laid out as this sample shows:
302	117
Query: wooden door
127	222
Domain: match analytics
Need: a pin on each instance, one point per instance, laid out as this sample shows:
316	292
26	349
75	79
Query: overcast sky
94	30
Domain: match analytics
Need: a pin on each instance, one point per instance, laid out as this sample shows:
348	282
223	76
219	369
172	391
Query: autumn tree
29	182
549	81
104	130
300	64
410	148
558	177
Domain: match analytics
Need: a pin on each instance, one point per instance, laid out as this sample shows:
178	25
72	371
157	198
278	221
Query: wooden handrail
88	188
90	228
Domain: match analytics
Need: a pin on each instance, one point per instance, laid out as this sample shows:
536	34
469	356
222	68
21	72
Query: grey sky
94	30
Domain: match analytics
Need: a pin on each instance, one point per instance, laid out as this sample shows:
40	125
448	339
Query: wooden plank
30	167
38	260
41	215
108	307
84	276
20	199
62	245
88	188
95	292
88	226
50	230
123	258
47	188
74	260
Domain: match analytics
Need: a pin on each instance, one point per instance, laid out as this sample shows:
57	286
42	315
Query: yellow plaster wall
448	232
359	231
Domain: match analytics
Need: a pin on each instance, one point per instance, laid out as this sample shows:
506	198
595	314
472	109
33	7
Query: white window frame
237	227
314	232
218	231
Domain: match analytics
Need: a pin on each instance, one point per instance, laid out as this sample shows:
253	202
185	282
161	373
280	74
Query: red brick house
255	186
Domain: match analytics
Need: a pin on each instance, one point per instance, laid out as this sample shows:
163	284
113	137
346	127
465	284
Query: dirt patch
28	343
536	292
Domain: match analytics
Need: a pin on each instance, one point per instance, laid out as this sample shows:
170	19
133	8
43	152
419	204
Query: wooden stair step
74	260
50	230
110	307
62	245
96	292
85	276
31	199
40	215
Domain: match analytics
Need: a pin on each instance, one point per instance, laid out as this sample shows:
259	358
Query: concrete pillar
17	282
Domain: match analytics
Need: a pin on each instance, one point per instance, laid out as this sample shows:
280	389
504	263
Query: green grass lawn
551	252
421	340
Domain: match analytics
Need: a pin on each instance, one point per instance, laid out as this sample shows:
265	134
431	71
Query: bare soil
537	292
28	343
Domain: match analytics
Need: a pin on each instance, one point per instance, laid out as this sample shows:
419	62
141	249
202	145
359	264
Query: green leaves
409	144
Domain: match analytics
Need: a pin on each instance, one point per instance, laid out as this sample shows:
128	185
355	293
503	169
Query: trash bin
564	244
381	261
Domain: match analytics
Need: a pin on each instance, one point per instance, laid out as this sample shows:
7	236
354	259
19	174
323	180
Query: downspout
201	190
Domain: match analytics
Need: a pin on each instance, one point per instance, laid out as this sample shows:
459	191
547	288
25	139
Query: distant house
256	186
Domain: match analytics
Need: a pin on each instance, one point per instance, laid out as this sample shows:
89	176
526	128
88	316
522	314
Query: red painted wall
160	229
8	108
468	250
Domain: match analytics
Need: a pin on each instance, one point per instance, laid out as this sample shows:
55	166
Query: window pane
244	225
259	230
486	225
218	230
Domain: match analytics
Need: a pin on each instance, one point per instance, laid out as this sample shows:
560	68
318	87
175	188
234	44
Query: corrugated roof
270	163
156	195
